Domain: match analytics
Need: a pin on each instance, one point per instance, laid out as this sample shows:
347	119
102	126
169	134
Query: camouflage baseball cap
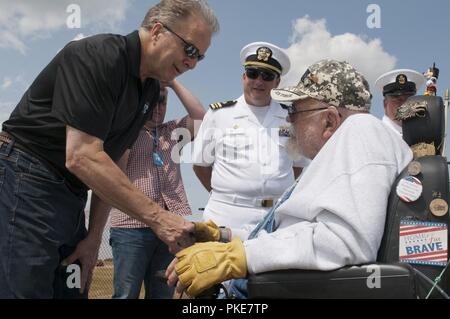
332	82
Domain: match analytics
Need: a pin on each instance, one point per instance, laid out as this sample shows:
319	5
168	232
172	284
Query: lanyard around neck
154	134
157	158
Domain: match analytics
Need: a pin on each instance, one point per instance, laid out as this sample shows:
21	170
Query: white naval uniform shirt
392	125
336	214
249	161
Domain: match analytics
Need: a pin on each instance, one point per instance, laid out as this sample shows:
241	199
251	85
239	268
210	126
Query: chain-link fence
102	282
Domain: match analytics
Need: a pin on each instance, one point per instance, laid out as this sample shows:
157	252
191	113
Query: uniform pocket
237	149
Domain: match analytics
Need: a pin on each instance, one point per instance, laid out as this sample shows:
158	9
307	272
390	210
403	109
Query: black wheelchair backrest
416	229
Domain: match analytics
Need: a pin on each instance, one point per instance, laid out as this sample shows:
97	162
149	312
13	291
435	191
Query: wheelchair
408	265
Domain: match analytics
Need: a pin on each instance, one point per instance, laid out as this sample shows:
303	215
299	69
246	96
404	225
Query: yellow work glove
206	231
203	265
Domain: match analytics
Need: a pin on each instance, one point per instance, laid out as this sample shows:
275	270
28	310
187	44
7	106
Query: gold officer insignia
220	105
264	54
402	79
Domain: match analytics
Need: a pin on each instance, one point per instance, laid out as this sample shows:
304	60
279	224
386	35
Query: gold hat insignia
264	54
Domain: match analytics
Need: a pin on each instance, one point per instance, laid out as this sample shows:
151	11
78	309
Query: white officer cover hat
399	82
265	55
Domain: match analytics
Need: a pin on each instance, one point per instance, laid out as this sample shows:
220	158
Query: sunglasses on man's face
190	50
253	73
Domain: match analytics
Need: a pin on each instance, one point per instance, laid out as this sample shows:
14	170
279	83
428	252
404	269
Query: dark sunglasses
266	75
190	50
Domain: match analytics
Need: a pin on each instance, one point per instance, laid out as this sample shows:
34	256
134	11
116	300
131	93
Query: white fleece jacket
336	214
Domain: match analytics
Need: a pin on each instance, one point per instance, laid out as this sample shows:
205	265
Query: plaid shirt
163	184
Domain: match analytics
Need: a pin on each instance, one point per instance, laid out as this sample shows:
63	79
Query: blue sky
413	34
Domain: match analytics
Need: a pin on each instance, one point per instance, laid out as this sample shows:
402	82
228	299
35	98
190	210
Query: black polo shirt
92	85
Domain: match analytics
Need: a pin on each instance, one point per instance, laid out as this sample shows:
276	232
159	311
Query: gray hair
170	12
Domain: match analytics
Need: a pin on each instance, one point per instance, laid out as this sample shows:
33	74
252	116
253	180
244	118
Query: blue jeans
41	222
238	288
137	255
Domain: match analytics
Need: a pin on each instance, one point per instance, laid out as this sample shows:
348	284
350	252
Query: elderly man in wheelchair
329	236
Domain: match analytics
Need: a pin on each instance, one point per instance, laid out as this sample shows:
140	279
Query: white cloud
6	83
9	40
311	42
16	82
21	20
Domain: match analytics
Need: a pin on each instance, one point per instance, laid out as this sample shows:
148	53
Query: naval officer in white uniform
240	151
397	86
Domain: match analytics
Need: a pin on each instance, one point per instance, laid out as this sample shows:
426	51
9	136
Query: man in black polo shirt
66	136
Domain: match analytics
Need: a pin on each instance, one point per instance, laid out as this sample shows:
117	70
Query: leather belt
244	201
6	138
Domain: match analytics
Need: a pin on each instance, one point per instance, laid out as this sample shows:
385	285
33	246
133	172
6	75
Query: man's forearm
99	211
86	159
98	216
106	180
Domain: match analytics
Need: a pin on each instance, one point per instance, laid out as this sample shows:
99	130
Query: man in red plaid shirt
152	166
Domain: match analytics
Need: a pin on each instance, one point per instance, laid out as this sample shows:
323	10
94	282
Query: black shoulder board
217	106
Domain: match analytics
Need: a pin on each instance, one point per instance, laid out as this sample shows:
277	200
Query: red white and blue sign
423	243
